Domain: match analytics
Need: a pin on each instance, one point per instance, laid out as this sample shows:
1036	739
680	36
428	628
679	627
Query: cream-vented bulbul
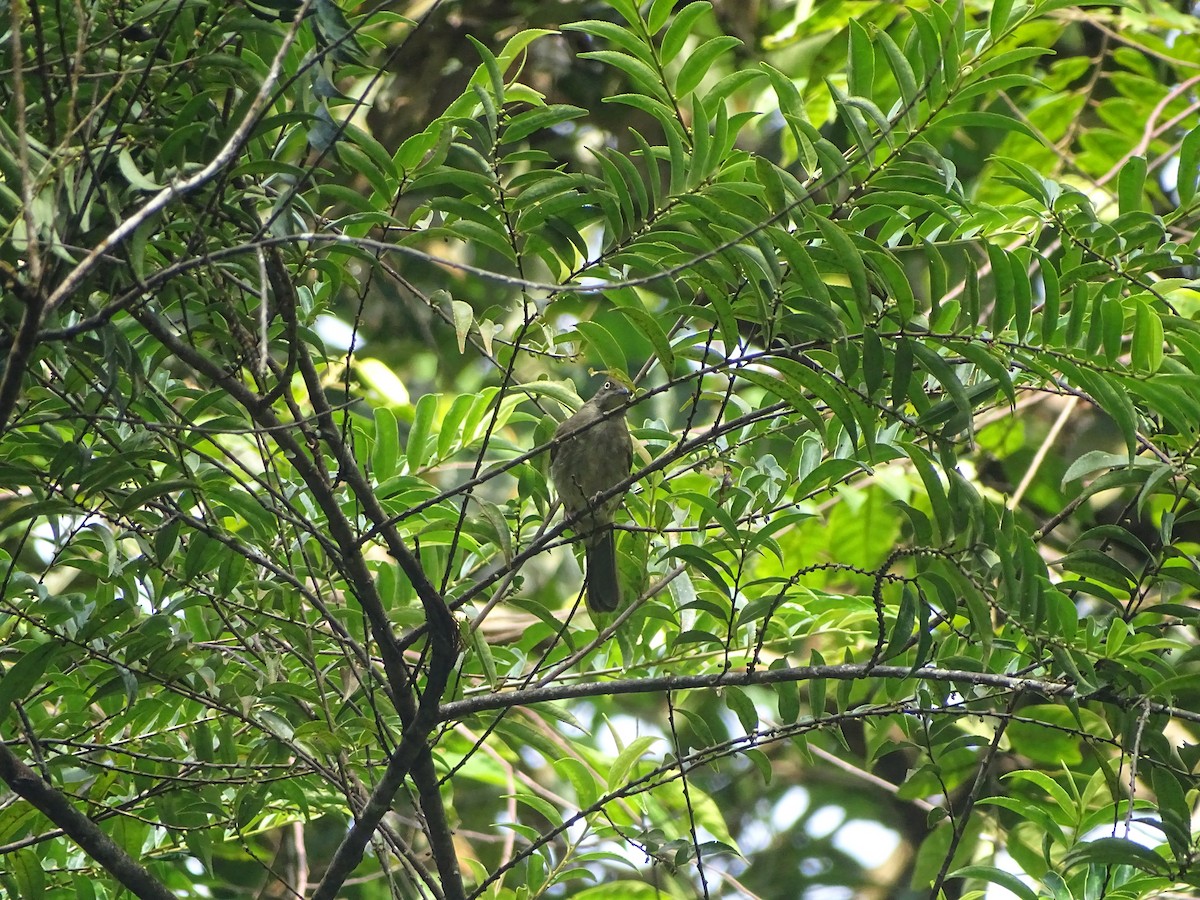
592	455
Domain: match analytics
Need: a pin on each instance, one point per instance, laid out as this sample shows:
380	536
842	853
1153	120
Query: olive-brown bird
591	455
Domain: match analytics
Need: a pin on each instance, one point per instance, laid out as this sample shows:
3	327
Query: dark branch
86	833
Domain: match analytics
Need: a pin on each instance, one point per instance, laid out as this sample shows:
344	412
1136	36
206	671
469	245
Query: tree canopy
295	296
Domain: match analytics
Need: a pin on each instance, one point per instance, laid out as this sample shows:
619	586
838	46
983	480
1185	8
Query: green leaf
1006	880
1077	315
933	363
22	675
651	328
1110	397
787	697
818	384
1022	293
1174	812
380	158
25	869
1147	350
906	80
681	27
1189	166
742	707
587	788
636	183
702	162
386	453
616	34
628	10
606	346
495	76
335	33
874	366
1052	303
139	498
902	627
1131	185
788	392
996	370
998	18
1112	327
133	175
357	160
641	75
985	120
934	489
700	62
1093	461
850	259
523	125
660	12
380	378
616	182
618	772
896	199
1115	851
417	448
860	68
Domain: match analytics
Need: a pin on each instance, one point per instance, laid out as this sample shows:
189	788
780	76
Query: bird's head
611	395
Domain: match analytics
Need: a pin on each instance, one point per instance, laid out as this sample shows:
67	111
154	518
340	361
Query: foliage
907	292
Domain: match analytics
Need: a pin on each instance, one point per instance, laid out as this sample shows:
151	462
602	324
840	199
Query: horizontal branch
460	709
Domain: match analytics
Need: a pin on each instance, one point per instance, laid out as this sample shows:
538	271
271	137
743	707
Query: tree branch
460	709
87	834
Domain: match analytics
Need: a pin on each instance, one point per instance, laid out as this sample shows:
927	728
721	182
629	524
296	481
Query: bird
590	455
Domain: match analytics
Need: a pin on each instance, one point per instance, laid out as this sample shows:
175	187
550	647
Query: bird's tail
603	590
